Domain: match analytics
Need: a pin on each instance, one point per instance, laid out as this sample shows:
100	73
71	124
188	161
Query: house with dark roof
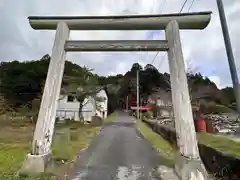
68	106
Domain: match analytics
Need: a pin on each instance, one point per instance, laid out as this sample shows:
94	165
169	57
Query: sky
203	50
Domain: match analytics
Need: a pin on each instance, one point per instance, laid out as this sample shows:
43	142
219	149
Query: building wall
166	112
70	110
67	109
88	109
159	101
103	111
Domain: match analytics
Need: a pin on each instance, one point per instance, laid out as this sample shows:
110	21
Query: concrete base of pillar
166	173
190	168
35	164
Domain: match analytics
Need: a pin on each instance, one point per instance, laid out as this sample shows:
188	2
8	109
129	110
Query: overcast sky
204	49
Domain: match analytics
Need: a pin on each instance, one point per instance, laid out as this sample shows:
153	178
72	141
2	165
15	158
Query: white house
68	107
89	108
95	106
162	99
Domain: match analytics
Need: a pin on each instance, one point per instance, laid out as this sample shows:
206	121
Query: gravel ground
117	153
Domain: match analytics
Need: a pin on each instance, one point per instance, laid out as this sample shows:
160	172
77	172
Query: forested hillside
22	83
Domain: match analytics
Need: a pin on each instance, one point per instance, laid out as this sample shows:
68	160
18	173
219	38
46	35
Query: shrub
148	114
215	109
62	144
74	136
155	110
96	121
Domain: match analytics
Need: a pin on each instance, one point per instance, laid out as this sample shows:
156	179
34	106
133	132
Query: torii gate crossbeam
171	23
117	45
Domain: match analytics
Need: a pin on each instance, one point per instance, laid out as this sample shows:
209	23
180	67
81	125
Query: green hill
22	82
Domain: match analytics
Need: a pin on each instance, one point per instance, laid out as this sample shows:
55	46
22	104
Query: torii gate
171	23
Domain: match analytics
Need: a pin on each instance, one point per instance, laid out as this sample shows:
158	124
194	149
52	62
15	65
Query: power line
155	57
183	6
160	64
179	12
191	5
163	5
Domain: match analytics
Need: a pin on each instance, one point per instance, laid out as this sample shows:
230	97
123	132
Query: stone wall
217	163
225	122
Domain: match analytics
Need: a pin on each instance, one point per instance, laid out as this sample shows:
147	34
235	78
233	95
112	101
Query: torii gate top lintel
197	20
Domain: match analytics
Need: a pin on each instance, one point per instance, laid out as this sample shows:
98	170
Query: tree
82	88
110	79
82	95
135	67
150	79
20	82
227	95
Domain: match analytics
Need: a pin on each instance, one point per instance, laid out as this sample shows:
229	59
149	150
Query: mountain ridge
22	82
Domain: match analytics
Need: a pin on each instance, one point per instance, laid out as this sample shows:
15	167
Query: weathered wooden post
41	152
188	162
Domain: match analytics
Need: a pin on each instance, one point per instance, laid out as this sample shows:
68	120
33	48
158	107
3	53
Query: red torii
147	108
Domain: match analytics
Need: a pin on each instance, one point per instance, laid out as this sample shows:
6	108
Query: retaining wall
216	162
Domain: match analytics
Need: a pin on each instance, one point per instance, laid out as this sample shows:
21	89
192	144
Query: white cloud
205	49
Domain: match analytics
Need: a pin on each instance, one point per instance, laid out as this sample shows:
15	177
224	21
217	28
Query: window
70	98
100	98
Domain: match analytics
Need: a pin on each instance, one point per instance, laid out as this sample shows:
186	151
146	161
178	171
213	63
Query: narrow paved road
117	153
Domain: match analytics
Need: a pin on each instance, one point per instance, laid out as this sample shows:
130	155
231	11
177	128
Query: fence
73	114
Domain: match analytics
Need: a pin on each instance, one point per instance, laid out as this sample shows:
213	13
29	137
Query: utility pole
127	104
138	94
141	104
228	46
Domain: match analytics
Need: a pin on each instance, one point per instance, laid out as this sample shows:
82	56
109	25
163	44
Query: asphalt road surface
117	153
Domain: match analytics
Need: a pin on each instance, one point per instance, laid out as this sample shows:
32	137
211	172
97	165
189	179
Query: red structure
201	125
130	99
144	108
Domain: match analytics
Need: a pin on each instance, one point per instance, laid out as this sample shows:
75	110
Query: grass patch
68	141
220	143
158	143
216	109
110	118
43	176
15	143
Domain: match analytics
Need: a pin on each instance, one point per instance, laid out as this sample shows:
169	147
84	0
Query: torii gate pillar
188	162
41	146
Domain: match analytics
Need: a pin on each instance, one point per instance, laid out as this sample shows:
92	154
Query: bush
148	114
69	121
96	121
215	109
57	120
62	144
155	110
74	136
